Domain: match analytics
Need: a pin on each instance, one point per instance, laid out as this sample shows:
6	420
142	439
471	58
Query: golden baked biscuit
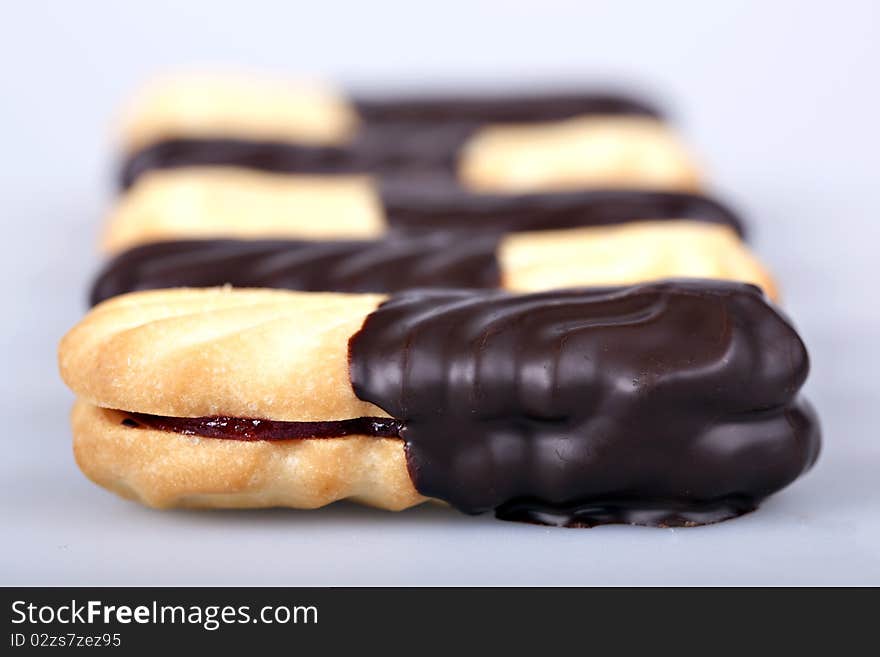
166	469
583	152
626	254
229	202
212	106
219	352
190	353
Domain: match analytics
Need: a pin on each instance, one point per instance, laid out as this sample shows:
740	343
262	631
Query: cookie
525	261
580	152
226	202
571	140
208	106
666	403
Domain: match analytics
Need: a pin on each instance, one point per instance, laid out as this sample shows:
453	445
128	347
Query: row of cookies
596	178
649	402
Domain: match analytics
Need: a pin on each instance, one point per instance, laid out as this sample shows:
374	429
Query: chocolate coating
344	266
670	403
403	135
499	107
417	207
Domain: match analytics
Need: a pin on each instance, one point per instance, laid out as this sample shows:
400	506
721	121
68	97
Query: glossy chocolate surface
499	107
247	429
671	403
415	206
345	266
404	136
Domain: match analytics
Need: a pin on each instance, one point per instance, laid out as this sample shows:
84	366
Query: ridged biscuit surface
267	354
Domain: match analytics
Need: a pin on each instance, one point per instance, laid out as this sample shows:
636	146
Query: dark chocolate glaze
498	108
670	403
351	266
271	156
417	207
247	429
403	135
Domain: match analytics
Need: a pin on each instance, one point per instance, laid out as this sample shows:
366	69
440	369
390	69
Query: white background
781	100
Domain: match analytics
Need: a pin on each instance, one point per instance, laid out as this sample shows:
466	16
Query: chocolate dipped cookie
505	143
667	403
524	261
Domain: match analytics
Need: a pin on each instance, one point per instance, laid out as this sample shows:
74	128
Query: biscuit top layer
245	353
588	151
260	109
215	202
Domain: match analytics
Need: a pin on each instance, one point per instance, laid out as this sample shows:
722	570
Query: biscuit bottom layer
164	469
238	428
645	511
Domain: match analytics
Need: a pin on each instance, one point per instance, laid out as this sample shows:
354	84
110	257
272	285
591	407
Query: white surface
781	99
